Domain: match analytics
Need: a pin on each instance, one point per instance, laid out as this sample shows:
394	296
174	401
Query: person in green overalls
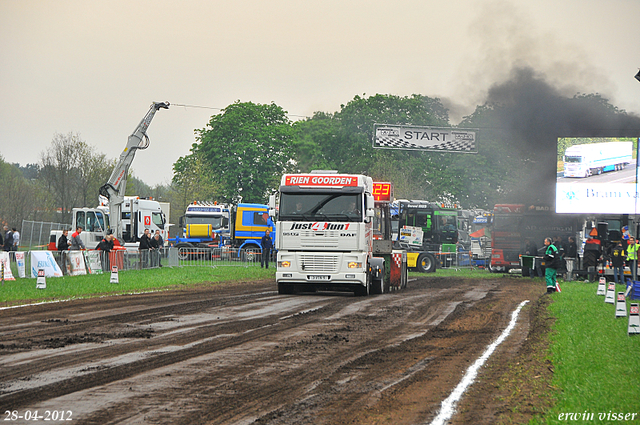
550	261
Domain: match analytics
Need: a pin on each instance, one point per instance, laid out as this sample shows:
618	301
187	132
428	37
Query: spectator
551	258
266	244
632	257
144	247
156	249
572	248
63	242
8	239
160	239
63	246
531	249
105	245
16	239
618	255
76	240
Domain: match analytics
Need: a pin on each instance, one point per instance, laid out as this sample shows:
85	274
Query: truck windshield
321	207
214	221
572	159
158	219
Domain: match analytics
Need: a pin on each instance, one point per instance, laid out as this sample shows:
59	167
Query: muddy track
244	354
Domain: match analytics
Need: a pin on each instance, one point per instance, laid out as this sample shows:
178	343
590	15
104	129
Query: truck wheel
248	255
183	251
363	291
377	286
426	263
284	289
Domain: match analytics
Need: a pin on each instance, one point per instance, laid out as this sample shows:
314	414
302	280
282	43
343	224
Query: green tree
22	199
247	147
344	141
73	172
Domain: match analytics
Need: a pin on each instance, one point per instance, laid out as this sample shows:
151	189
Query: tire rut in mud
245	354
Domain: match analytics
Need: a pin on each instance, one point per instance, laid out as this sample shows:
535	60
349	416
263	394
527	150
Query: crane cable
220	109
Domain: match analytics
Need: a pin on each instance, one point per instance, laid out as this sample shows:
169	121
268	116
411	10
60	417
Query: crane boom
115	188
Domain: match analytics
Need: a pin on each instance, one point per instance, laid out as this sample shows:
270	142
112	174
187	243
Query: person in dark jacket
8	239
572	248
63	247
144	247
105	245
266	244
63	242
618	256
157	243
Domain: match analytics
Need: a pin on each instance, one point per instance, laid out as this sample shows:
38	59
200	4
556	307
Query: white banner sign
441	139
21	265
76	263
44	260
93	261
597	198
4	258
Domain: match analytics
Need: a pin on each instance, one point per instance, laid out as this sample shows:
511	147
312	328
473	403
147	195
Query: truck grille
319	263
322	239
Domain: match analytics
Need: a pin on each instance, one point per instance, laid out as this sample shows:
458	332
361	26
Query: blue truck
236	229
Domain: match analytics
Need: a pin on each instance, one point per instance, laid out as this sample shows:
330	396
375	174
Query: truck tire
285	288
183	254
377	286
426	263
363	291
249	255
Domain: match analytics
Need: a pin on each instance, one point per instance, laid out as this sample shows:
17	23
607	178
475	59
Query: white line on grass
449	404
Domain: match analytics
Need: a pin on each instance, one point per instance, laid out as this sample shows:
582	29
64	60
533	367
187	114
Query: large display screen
597	175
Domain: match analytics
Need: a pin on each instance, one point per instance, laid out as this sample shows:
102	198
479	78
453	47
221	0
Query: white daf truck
332	235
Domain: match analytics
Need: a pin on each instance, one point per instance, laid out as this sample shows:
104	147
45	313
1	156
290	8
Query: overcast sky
94	67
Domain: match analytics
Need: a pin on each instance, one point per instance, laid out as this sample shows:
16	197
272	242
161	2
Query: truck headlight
354	265
284	264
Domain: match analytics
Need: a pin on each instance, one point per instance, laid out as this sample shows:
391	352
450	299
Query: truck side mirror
272	206
370	202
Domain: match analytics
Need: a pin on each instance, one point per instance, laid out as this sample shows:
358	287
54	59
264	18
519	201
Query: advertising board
597	176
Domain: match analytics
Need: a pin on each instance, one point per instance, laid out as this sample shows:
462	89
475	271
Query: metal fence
461	260
35	234
224	256
96	261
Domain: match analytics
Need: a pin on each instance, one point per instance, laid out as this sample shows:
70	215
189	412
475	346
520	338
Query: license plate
318	277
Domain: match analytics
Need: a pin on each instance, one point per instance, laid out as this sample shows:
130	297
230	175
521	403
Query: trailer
596	158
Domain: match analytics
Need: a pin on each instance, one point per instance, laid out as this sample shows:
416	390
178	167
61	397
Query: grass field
22	291
596	364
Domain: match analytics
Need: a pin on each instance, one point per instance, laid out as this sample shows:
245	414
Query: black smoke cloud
531	114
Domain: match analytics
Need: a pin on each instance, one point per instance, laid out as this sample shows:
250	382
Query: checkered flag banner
440	139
